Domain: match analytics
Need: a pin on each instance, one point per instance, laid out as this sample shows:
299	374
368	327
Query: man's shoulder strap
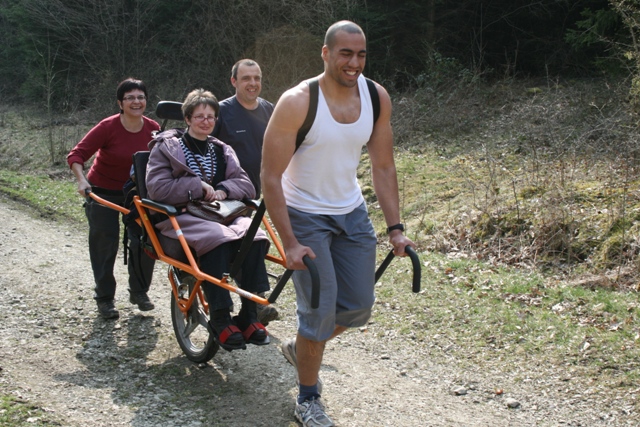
313	107
375	99
311	113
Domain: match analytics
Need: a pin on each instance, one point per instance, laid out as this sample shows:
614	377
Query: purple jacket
169	180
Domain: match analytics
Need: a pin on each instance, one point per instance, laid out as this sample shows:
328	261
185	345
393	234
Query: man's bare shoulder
296	96
292	107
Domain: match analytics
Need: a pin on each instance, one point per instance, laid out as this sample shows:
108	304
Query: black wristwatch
395	227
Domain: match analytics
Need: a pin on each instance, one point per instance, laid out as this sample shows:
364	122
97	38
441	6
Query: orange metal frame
192	267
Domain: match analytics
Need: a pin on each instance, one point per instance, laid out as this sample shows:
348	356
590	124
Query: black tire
192	331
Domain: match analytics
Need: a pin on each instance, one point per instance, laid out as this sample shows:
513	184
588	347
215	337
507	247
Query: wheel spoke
192	330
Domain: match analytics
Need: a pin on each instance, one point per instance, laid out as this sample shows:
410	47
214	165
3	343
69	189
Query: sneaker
289	353
311	414
108	310
142	301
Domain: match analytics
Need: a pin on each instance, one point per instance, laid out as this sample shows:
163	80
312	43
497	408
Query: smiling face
248	84
201	122
345	59
133	103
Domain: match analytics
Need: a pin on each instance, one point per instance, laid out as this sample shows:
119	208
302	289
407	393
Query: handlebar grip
417	270
415	286
315	281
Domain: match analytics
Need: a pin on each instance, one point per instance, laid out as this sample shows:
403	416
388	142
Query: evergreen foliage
72	53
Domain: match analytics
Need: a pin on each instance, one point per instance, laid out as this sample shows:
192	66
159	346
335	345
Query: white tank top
321	177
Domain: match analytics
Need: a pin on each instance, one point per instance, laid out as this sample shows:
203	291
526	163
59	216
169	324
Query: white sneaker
311	414
289	352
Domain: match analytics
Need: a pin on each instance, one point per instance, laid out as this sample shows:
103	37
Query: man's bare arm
383	170
277	151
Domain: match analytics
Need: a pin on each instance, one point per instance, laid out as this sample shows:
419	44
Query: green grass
45	195
506	312
16	412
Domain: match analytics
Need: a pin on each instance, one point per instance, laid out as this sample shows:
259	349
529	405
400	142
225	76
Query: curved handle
106	203
417	270
315	281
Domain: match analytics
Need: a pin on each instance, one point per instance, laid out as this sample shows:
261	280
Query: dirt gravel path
56	353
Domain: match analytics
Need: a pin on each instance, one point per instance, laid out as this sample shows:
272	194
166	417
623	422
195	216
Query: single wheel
192	329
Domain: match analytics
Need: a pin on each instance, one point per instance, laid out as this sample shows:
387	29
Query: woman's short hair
199	97
129	84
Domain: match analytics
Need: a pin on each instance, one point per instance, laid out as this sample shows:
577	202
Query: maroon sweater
115	147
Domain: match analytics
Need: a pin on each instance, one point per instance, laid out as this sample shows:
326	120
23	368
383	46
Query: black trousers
252	276
104	239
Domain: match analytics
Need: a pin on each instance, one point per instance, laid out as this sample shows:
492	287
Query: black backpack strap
375	99
311	113
313	107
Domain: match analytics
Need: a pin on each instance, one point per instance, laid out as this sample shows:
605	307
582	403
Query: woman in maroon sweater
113	141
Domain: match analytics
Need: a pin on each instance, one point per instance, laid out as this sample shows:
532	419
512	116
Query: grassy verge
483	314
46	195
16	412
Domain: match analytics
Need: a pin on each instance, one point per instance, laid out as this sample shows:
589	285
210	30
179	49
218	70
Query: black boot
227	334
253	331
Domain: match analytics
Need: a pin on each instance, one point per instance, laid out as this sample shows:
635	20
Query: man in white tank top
315	203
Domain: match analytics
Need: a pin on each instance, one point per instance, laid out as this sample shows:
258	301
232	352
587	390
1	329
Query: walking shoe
266	313
311	414
108	310
225	331
289	353
142	301
253	331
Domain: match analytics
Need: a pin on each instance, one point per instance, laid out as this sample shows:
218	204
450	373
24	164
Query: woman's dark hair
199	97
128	85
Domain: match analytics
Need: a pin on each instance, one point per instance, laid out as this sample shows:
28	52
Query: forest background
517	140
68	55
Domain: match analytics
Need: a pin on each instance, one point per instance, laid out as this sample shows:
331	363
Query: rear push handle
315	283
415	286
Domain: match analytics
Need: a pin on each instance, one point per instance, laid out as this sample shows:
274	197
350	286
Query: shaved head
346	26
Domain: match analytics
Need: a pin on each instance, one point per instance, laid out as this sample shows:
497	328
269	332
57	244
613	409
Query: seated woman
195	165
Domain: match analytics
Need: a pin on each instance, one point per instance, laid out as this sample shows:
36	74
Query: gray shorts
345	248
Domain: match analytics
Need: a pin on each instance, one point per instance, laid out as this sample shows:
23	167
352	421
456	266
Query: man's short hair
347	26
248	62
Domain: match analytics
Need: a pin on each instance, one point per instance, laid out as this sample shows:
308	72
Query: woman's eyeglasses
131	98
203	118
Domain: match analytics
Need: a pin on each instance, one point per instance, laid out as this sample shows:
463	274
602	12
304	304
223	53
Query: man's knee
353	318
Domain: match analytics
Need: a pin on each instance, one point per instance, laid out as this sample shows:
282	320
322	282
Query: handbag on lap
222	211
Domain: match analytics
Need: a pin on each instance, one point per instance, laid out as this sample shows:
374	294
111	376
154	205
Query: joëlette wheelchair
189	308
